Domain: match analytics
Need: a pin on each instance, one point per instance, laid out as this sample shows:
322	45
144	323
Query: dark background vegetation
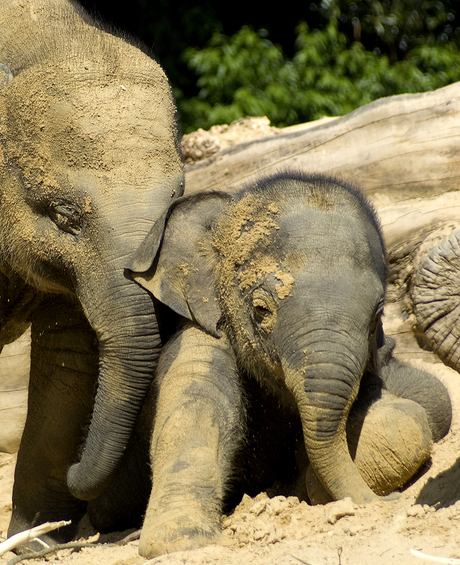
292	62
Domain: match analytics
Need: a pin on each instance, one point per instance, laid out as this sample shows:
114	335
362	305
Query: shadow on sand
443	490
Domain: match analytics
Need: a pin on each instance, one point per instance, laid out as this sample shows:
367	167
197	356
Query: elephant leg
415	384
199	413
64	366
389	439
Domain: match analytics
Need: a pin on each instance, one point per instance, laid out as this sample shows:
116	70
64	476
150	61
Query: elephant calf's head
290	253
292	269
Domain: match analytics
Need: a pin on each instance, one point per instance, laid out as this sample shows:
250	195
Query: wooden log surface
403	146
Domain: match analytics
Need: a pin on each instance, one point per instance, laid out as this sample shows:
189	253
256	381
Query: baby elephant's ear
176	261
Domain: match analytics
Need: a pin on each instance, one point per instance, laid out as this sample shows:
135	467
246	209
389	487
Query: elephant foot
393	443
186	530
388	443
183	539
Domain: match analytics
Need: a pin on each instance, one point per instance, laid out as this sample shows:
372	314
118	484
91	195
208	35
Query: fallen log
402	146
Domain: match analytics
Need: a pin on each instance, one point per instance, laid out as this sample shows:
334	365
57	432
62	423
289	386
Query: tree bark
401	146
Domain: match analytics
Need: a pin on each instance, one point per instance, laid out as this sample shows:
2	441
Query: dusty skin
282	531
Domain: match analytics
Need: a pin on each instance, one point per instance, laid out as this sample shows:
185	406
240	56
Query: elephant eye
66	218
263	315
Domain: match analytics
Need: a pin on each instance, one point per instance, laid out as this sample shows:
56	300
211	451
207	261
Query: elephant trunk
129	345
325	383
436	299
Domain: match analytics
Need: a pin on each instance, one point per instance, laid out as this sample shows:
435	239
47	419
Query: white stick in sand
448	560
28	535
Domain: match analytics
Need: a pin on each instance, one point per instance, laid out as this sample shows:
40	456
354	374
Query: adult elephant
89	159
281	287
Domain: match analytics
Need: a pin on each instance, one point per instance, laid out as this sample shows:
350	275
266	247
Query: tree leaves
246	74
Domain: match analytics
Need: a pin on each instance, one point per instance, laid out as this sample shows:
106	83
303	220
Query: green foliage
238	76
393	27
329	74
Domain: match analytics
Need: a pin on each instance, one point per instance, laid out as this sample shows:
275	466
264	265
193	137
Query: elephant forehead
285	239
246	226
53	120
243	241
329	236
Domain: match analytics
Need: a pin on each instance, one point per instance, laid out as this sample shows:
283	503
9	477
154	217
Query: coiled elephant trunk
436	299
129	343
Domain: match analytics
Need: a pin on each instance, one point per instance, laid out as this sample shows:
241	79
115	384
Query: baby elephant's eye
263	313
66	218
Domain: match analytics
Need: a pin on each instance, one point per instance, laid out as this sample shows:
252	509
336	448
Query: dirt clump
201	144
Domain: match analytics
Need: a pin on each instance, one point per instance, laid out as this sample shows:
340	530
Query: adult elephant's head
292	270
89	159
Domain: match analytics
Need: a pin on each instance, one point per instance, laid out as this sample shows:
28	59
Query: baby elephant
279	292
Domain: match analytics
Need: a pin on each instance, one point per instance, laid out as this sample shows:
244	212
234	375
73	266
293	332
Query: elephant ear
176	260
436	297
6	76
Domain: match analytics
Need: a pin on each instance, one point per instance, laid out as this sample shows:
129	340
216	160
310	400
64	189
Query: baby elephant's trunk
325	384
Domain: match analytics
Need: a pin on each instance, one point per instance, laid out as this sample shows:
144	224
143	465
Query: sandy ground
284	531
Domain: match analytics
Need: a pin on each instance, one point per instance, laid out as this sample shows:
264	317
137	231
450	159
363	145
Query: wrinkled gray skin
436	299
279	292
90	159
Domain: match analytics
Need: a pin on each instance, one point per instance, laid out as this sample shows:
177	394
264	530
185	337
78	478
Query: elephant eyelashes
66	219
